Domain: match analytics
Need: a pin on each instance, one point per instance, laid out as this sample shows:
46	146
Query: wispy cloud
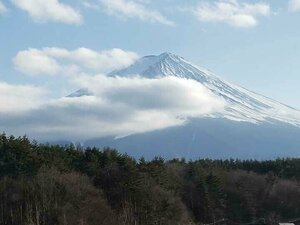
294	5
3	8
54	61
232	12
133	9
49	11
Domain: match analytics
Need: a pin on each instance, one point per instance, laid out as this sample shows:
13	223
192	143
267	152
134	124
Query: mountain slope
211	138
242	104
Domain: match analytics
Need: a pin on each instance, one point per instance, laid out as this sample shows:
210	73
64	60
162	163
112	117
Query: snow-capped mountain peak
165	64
80	93
242	104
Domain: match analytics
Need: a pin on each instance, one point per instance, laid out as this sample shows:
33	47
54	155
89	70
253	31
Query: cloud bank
114	106
57	61
231	12
49	11
119	106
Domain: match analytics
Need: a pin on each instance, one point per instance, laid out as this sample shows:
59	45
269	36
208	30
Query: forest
43	184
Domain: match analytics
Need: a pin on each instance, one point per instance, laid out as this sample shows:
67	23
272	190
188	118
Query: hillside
44	184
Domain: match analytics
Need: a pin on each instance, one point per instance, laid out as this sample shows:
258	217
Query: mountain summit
165	64
242	104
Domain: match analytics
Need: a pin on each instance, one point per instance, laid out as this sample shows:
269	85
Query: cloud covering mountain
119	106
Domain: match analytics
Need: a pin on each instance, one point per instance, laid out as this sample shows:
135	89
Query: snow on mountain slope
242	104
80	93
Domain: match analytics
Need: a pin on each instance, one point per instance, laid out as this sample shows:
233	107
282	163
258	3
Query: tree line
43	184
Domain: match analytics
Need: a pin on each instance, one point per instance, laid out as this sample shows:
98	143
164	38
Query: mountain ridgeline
249	126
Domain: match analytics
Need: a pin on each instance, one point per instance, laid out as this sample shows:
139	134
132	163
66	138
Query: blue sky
263	58
259	48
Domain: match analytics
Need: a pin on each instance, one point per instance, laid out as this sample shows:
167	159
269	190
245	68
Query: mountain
242	105
250	125
80	93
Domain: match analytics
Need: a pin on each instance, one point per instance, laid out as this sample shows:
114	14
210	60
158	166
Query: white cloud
181	96
133	9
294	5
16	99
34	62
119	106
54	61
3	8
232	12
49	10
